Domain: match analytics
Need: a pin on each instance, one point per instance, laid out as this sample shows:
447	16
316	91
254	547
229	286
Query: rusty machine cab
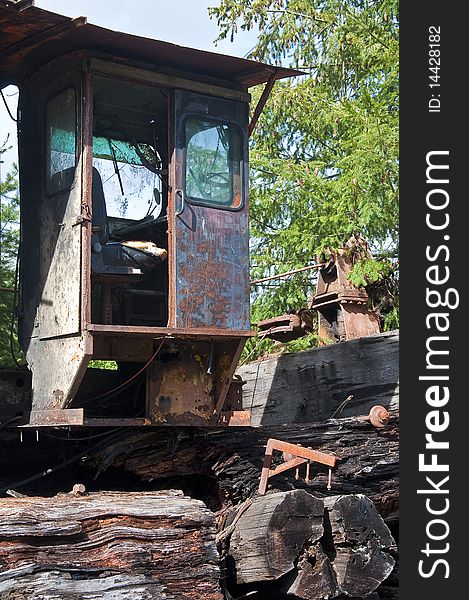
134	221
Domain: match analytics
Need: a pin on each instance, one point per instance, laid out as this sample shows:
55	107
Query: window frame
57	192
242	136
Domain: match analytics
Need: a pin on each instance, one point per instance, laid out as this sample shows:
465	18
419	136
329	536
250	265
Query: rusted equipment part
378	416
294	455
262	101
56	418
106	278
287	327
342	307
235	418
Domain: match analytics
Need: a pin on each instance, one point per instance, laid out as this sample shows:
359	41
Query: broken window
61	141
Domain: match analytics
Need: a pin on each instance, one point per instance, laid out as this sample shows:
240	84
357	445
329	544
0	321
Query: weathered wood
267	537
233	458
108	545
306	387
308	547
361	541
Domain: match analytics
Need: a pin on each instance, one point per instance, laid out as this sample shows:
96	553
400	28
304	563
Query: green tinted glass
213	163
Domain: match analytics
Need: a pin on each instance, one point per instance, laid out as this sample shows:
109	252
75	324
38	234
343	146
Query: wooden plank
306	387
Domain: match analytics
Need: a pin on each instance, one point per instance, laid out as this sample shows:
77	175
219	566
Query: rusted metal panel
181	390
52	418
212	282
210	285
188	383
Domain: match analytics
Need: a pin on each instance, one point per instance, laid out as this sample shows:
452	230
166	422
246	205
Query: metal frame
294	455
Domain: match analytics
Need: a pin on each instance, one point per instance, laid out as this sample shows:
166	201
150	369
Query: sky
184	22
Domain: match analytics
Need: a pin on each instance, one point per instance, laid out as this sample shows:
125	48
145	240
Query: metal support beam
262	100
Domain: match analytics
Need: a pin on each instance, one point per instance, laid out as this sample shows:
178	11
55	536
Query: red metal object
342	307
294	456
287	327
235	418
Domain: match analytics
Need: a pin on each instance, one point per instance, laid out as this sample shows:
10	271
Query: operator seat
117	258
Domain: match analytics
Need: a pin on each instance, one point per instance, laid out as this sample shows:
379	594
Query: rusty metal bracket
55	417
294	455
262	101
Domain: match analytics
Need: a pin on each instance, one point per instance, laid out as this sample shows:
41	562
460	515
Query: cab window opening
129	264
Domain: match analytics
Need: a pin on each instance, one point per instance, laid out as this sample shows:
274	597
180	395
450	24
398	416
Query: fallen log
294	543
108	545
232	459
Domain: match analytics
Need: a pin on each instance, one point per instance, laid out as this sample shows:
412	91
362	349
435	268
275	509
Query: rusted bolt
378	416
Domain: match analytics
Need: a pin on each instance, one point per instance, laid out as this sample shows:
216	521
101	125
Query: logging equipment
133	172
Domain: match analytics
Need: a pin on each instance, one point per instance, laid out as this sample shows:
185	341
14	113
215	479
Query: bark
232	459
108	545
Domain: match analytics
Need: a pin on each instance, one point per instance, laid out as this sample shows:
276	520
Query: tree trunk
295	543
268	536
233	458
109	545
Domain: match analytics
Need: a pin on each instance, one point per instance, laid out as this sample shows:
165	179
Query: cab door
208	214
59	98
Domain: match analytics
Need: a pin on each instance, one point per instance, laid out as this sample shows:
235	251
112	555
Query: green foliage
107	365
324	155
9	239
369	271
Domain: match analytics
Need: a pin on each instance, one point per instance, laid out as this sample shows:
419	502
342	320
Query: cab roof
32	37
